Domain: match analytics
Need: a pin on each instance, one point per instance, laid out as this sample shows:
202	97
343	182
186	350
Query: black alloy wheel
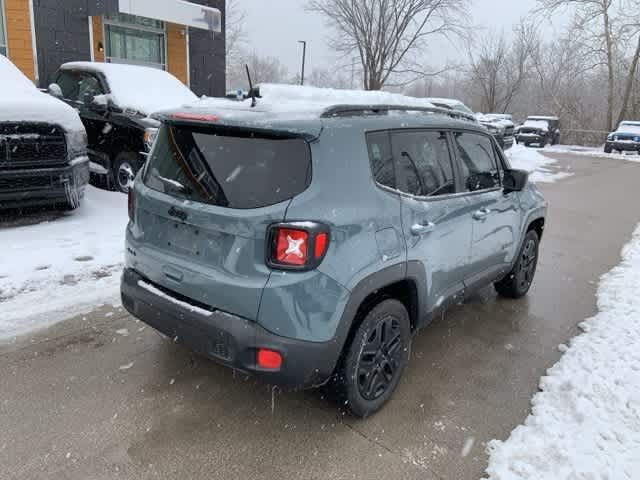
375	359
518	282
380	359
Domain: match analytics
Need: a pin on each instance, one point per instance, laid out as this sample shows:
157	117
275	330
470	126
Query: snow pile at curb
538	165
585	422
63	267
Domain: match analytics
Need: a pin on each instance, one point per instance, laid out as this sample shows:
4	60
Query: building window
3	31
135	40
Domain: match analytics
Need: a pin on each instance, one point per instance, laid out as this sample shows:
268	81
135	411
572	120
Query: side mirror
480	181
87	98
54	90
98	103
515	180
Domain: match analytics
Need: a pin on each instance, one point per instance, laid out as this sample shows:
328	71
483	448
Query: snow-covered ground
585	422
539	166
56	269
594	152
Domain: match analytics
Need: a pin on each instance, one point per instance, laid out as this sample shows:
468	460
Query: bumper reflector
268	359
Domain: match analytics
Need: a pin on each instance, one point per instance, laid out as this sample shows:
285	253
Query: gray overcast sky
273	28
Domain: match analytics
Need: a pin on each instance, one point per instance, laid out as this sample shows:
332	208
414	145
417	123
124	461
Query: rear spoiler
240	126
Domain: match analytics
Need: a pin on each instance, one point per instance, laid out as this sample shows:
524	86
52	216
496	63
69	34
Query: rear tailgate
203	208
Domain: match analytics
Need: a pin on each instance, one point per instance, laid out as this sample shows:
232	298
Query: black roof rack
361	110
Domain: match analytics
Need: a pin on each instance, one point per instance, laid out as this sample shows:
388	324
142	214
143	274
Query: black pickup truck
115	103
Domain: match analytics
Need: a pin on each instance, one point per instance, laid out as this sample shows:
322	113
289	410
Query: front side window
477	161
135	40
424	163
233	171
3	33
76	85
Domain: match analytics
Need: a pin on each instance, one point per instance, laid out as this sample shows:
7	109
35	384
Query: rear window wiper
175	185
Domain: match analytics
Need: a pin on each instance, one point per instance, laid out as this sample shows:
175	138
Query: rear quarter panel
366	237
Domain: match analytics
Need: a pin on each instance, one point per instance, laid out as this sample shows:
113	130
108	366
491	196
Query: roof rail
373	109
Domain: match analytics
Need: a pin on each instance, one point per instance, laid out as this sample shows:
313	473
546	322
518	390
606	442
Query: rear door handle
422	228
481	214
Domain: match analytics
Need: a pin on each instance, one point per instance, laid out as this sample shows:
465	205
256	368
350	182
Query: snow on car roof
539	117
629	127
21	101
309	101
451	103
144	89
13	80
536	123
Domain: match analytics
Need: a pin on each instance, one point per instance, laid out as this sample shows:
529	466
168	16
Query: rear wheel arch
405	282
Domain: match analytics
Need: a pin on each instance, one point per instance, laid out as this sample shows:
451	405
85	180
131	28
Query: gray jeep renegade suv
311	249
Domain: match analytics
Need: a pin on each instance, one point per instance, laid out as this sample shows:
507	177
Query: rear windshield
233	171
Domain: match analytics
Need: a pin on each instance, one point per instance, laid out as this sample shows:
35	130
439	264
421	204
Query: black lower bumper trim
42	186
228	339
624	147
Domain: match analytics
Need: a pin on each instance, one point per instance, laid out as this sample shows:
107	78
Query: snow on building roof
144	89
21	101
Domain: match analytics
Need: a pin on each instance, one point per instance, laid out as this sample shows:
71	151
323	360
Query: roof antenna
252	92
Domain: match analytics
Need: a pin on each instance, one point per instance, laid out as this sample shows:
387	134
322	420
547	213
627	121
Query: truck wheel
608	149
518	282
376	359
124	170
66	206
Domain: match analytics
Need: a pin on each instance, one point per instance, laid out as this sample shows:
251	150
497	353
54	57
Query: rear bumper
506	142
43	186
228	339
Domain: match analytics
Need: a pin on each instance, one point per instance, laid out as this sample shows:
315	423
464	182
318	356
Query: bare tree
632	26
266	69
499	69
236	38
387	34
594	21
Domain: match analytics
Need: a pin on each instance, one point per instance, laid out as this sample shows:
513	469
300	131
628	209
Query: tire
125	166
608	149
375	359
527	144
518	282
66	207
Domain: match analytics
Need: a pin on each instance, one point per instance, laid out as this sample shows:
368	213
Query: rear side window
477	161
240	172
379	145
424	163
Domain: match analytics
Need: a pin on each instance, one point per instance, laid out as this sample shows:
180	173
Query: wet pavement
103	397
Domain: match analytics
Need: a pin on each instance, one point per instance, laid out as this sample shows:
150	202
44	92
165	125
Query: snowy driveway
105	398
64	266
